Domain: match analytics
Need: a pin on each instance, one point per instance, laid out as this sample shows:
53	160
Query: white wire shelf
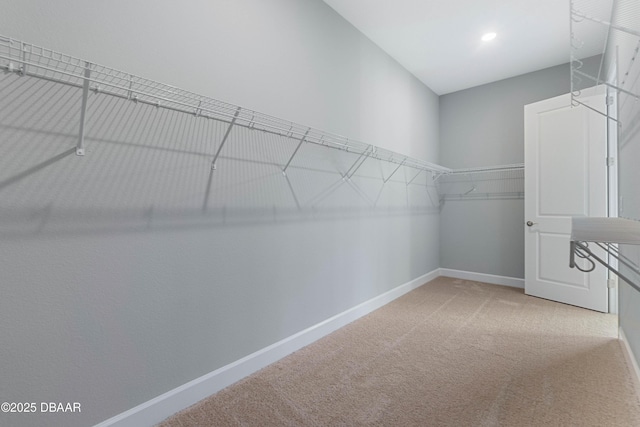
487	169
597	27
26	59
482	183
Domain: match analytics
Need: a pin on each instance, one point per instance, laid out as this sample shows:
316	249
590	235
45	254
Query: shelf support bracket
23	69
224	139
130	91
612	86
582	251
293	193
284	171
83	111
396	170
351	171
413	179
577	103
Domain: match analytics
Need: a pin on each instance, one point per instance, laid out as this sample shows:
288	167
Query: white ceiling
439	40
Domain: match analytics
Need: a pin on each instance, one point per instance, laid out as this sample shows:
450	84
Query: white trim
613	297
481	277
167	404
631	359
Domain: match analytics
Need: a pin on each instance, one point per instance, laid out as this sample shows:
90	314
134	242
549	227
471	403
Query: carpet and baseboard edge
482	277
159	408
632	361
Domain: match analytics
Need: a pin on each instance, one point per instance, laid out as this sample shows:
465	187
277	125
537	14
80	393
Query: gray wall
116	285
290	59
627	15
484	126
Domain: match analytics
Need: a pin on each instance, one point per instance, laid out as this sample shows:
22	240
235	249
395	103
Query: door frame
612	175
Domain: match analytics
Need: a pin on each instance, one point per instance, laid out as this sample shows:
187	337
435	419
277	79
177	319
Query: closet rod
581	250
607	233
509	195
501	168
72	72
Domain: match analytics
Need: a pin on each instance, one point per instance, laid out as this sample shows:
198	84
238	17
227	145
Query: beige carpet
451	353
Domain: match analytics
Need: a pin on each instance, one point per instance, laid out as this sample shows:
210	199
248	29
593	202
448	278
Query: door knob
529	223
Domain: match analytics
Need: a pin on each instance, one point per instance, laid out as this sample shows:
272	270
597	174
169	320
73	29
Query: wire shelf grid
596	28
30	60
494	182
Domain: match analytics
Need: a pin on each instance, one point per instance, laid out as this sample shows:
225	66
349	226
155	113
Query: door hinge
612	283
609	100
611	161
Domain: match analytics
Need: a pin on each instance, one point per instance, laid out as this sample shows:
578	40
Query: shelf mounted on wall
596	30
26	59
606	233
91	79
482	183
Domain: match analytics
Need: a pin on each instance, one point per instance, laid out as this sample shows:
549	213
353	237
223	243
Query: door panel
565	176
554	257
557	144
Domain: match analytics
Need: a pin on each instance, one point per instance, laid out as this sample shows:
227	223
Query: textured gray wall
484	126
627	14
116	285
290	59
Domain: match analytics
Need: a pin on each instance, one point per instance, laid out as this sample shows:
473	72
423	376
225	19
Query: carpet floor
450	353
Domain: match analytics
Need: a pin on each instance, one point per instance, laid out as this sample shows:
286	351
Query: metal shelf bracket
224	139
83	109
284	171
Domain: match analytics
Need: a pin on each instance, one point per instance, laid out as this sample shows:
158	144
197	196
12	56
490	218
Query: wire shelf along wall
598	27
482	183
26	59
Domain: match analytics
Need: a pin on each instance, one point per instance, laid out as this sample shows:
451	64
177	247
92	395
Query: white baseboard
485	278
631	359
167	404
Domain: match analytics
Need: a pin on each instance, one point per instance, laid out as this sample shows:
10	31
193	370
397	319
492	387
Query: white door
565	176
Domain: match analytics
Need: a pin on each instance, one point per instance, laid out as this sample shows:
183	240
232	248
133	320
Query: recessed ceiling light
488	37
